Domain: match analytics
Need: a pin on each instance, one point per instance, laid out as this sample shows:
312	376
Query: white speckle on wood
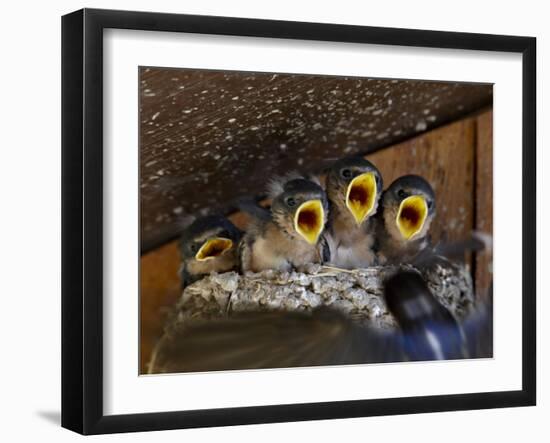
421	126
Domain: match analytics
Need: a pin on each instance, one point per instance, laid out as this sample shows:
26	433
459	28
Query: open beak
309	220
411	216
361	196
213	247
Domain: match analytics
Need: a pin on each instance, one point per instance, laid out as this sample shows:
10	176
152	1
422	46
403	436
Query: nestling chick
408	208
292	234
354	186
209	244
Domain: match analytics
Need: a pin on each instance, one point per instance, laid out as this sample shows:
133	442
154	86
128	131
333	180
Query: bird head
208	238
354	186
409	207
301	209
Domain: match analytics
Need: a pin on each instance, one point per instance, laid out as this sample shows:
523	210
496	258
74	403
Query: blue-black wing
429	330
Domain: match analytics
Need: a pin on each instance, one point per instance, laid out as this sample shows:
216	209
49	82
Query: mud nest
356	293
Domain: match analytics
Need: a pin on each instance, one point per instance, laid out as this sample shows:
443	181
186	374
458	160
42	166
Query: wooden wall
445	157
456	159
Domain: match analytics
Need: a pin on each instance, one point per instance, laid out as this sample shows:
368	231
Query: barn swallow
428	330
408	208
353	187
290	236
258	340
208	244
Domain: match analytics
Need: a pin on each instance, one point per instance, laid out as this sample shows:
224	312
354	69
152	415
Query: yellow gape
213	247
411	216
361	196
309	220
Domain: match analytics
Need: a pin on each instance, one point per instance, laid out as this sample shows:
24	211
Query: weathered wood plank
484	197
159	290
445	157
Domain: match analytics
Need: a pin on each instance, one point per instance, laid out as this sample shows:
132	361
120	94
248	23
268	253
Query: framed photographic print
270	221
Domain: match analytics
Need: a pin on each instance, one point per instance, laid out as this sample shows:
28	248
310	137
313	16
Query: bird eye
194	247
290	202
346	173
430	204
401	193
378	181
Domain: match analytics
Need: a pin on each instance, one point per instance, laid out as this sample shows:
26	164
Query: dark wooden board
207	137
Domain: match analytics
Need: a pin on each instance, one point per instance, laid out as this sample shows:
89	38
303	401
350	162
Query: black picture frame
82	220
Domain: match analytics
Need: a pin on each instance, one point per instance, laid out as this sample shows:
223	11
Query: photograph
295	220
275	221
283	220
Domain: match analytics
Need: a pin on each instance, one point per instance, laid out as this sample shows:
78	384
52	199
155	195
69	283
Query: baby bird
408	208
209	244
354	186
290	236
